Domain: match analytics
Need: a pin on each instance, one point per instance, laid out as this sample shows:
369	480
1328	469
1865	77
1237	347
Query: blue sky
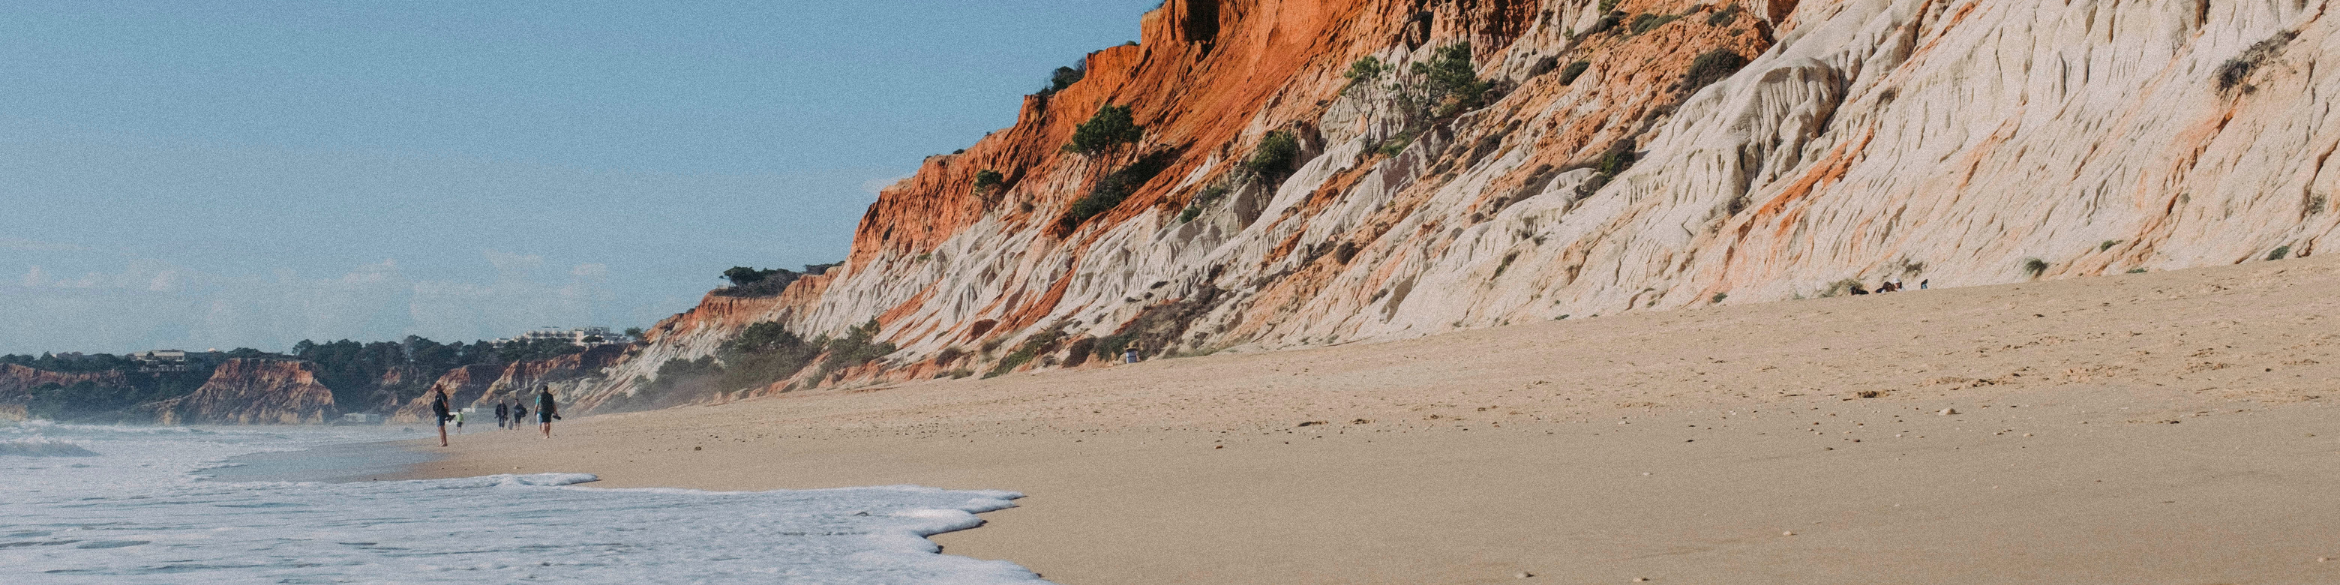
199	174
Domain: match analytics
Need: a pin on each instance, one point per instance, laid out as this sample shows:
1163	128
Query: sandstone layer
17	382
1947	143
252	392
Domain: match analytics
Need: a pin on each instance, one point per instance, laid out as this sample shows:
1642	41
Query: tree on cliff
1112	128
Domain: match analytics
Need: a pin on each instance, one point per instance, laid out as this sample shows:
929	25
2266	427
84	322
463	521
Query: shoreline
332	463
2161	427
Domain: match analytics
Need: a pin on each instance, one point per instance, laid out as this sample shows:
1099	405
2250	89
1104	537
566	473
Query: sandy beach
2150	428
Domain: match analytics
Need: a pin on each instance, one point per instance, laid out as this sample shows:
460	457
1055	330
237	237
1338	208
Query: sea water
88	504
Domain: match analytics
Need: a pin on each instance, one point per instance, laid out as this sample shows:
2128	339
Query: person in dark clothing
519	414
439	412
545	413
503	415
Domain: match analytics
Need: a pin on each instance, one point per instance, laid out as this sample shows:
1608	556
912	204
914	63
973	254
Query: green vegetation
2280	253
1608	5
1116	187
1569	74
1729	15
1278	152
1607	22
1064	77
1364	72
1612	162
1208	196
2238	69
1711	67
1397	144
751	282
2033	267
1106	132
2136	271
987	179
1033	347
1158	329
1718	298
1646	22
1452	84
762	354
2107	245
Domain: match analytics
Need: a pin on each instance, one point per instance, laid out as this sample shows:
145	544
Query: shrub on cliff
1452	84
2238	69
1116	187
1646	22
1107	131
1277	154
854	349
988	179
1202	201
1033	347
1711	67
1569	74
1064	77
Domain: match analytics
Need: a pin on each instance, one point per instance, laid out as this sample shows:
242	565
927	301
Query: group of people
1888	286
508	416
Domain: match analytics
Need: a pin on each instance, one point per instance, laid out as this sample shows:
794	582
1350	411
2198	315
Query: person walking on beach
545	413
519	414
439	412
503	415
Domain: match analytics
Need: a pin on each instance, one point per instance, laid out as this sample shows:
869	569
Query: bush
1727	16
1718	298
1158	328
1105	132
1645	22
2238	69
2033	267
2280	253
1116	187
1711	67
1453	81
1568	74
1616	160
1278	153
750	282
1064	77
1608	21
1202	200
1397	144
1033	347
988	179
1365	70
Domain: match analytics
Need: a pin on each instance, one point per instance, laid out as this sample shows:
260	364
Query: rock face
252	392
463	385
17	382
1952	142
483	386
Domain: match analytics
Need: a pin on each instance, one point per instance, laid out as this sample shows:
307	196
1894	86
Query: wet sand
2154	428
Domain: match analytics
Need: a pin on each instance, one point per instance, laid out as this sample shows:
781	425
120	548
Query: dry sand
2155	428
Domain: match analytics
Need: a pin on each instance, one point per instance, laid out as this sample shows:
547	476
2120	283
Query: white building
583	336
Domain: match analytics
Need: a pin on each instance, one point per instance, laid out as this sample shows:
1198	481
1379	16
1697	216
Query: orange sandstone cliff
252	392
17	383
1632	155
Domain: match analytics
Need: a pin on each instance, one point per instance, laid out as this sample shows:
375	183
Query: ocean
101	504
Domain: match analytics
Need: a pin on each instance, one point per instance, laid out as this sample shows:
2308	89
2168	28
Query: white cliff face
1957	142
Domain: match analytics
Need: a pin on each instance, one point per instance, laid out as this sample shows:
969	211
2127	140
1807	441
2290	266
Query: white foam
135	516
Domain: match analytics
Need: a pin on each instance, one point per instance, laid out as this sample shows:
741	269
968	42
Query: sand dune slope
2152	428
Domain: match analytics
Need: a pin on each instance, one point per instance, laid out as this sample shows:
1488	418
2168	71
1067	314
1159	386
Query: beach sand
2153	428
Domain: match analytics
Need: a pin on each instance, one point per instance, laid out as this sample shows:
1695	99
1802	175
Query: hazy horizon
251	174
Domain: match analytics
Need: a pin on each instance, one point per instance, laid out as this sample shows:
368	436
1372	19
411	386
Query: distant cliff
18	383
1505	161
251	392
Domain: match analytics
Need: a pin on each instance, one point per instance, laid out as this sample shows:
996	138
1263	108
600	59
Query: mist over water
134	509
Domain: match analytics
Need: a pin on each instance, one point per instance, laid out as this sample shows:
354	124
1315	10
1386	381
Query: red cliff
252	392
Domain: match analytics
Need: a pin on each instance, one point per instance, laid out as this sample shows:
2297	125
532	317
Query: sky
216	174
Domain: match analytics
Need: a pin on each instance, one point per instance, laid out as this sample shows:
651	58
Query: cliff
1644	156
17	383
463	385
249	392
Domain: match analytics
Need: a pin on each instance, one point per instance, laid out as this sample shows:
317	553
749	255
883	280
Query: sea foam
136	514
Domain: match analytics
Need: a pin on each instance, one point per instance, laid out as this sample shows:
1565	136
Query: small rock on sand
1788	533
1524	574
1947	411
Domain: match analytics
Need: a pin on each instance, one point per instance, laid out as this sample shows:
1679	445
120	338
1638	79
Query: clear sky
196	174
